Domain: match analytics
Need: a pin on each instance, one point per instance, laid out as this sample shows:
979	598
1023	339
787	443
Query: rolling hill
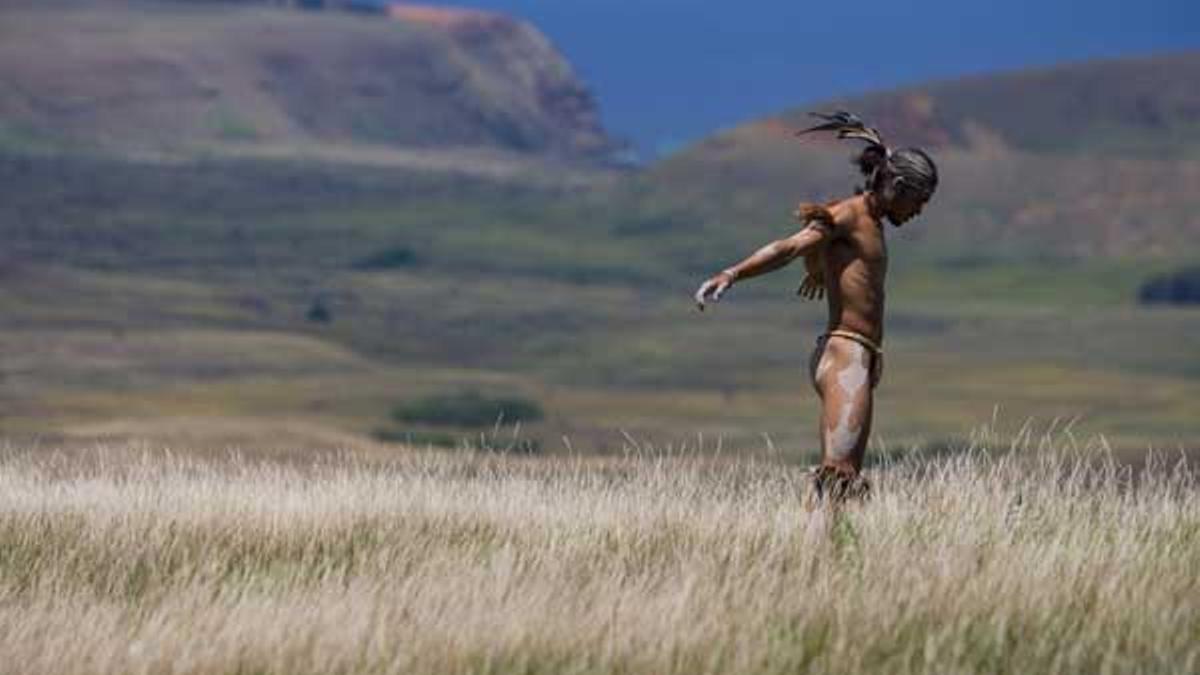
1080	160
1137	107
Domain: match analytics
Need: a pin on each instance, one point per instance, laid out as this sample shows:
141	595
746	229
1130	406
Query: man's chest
864	247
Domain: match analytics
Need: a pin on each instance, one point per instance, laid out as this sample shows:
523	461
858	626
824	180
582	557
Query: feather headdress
909	166
847	125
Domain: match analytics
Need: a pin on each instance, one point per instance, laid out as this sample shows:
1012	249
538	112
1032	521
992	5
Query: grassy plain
1024	553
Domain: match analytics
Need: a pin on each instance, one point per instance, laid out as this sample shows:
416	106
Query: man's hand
811	288
769	258
713	289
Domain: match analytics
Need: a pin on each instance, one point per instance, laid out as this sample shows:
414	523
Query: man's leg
845	383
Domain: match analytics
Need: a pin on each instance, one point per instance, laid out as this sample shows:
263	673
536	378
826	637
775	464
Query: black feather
847	125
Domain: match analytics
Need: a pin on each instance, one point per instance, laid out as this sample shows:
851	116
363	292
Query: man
845	254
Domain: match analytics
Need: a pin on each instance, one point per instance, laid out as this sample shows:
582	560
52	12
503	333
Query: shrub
387	259
468	409
318	312
1180	288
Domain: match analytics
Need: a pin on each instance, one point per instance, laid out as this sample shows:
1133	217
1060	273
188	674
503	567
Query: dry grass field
1038	555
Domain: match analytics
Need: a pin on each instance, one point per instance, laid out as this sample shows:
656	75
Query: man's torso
855	271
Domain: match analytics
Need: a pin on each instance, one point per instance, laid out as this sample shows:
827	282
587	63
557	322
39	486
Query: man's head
905	181
902	181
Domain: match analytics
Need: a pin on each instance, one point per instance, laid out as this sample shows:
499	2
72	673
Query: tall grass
1045	557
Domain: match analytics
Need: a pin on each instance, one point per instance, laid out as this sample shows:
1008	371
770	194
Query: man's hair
908	168
913	169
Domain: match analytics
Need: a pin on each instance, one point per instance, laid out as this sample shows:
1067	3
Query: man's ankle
839	483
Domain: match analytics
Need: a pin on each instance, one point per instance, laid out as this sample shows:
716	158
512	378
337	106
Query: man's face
904	205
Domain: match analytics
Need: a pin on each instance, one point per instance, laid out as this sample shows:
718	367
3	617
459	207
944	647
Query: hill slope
1094	159
1137	107
154	76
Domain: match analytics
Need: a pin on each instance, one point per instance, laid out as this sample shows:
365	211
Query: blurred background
291	224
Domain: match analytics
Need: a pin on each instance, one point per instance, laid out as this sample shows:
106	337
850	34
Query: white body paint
822	368
844	394
851	380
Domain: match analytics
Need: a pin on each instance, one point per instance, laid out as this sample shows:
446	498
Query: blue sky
670	71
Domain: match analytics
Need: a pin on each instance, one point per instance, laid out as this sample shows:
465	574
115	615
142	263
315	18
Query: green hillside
162	279
140	298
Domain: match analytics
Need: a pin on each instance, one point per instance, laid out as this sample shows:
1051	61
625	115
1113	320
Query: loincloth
872	347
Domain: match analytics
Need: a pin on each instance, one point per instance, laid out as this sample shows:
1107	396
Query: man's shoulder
850	212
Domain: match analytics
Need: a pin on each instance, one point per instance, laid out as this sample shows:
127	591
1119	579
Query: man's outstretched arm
770	257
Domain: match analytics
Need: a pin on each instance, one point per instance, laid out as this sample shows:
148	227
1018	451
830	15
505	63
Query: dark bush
388	259
469	410
1178	288
318	312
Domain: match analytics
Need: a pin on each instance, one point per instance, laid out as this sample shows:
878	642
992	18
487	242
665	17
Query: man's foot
836	486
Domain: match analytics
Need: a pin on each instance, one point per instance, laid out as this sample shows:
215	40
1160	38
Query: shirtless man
845	253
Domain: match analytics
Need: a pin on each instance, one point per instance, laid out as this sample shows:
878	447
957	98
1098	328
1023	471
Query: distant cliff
181	74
